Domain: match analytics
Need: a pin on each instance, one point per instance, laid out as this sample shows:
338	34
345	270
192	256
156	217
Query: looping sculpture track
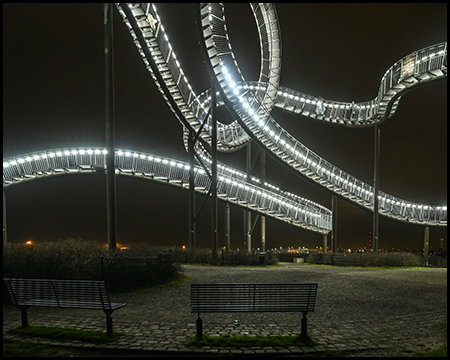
250	103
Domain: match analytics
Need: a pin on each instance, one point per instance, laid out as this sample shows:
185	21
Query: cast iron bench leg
199	328
23	309
304	326
109	324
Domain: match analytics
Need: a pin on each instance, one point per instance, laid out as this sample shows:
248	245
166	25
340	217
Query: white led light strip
256	119
232	185
252	102
252	106
252	109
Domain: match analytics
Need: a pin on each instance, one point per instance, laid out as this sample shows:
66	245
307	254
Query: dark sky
53	97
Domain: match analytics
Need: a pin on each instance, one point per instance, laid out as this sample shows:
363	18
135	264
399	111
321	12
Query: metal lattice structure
251	102
232	184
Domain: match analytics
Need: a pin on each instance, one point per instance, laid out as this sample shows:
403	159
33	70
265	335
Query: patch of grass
259	340
227	258
13	348
257	266
439	352
200	264
183	278
55	332
382	260
177	282
328	353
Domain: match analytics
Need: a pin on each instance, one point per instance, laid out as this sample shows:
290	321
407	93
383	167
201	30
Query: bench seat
239	297
73	294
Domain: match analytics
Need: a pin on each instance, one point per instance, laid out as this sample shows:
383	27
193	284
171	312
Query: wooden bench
214	298
74	294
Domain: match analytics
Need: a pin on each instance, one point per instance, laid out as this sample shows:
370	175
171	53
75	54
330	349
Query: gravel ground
347	298
344	294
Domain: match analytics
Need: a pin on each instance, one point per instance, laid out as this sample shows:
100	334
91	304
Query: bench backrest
81	294
253	297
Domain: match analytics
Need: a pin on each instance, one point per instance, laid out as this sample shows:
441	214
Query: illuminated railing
255	119
252	102
194	108
417	68
232	185
230	137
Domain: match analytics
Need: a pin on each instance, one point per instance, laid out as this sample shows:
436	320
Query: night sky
53	97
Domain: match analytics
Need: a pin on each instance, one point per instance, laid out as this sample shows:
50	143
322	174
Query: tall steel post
325	243
5	238
214	210
426	245
263	181
191	201
227	227
109	114
376	187
334	224
248	214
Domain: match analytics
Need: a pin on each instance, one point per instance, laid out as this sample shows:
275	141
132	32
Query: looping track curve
251	109
232	184
421	67
251	103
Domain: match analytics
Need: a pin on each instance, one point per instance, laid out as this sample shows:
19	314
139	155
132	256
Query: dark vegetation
86	260
140	266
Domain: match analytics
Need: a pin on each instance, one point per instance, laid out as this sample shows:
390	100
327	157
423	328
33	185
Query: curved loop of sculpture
232	184
421	67
251	104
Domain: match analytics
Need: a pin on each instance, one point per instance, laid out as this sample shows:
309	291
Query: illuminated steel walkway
232	185
251	102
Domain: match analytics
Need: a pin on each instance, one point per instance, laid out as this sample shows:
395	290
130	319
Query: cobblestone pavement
389	336
358	336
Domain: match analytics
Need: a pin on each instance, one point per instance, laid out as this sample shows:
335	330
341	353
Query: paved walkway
388	336
367	312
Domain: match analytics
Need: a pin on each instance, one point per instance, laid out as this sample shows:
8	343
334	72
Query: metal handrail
232	184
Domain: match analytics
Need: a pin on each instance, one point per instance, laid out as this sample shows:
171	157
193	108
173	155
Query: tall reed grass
80	259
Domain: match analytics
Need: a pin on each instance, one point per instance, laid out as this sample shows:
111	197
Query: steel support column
248	214
263	181
334	225
376	187
109	115
5	238
325	243
191	200
426	245
227	227
214	208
